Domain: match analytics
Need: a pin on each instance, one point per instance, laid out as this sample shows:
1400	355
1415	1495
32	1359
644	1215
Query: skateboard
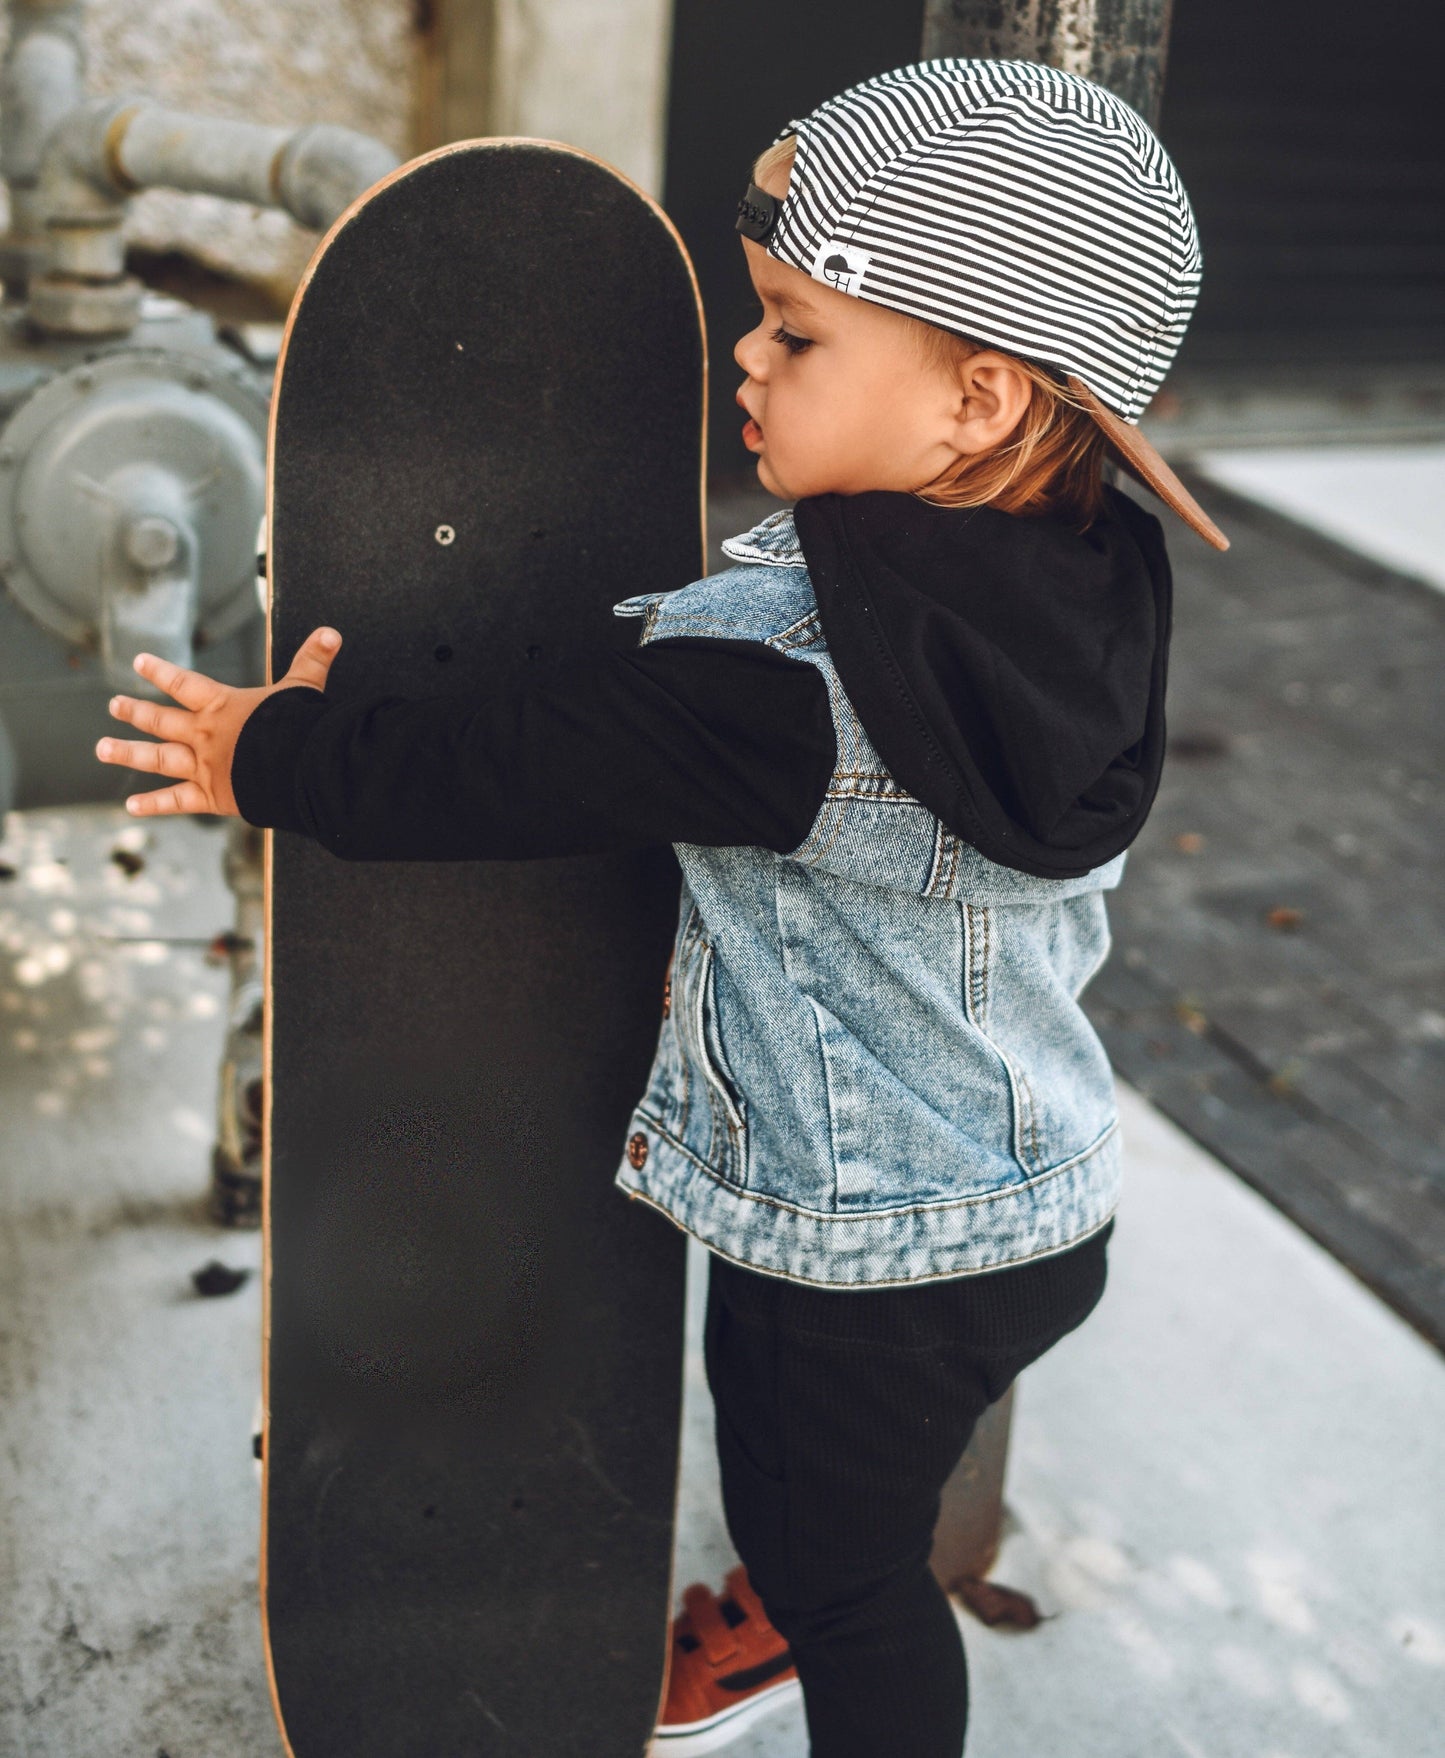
486	430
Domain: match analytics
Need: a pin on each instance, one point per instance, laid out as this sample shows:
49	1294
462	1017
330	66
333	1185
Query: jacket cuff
267	758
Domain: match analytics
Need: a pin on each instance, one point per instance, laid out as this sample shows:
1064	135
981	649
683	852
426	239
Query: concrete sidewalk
1226	1489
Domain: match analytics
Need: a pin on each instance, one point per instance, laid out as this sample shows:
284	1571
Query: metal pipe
314	173
109	148
1121	44
41	81
106	149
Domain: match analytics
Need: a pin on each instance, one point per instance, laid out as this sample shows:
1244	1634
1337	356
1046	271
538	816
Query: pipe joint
322	169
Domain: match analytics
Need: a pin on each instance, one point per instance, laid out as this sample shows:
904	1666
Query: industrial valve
131	487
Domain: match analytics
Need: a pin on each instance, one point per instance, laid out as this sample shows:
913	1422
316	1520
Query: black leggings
840	1415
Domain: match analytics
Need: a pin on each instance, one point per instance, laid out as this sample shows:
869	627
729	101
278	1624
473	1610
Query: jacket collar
773	542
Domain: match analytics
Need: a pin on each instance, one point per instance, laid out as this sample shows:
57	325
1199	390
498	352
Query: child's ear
994	394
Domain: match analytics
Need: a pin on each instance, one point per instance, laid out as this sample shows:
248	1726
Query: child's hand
201	734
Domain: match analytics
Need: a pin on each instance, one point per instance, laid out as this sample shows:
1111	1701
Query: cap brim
1145	465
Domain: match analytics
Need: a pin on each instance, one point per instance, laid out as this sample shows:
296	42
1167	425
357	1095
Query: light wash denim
873	1067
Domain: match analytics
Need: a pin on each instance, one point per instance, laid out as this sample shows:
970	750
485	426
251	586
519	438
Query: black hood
1009	671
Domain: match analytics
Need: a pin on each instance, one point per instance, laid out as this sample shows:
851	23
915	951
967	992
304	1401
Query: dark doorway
740	73
1309	136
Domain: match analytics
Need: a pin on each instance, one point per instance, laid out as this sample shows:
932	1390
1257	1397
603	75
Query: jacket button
637	1151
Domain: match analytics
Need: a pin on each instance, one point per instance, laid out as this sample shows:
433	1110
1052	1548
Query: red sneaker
728	1667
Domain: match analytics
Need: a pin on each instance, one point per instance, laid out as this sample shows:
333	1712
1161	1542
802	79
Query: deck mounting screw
445	535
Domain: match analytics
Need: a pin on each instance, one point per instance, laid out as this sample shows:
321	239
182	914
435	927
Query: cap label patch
841	265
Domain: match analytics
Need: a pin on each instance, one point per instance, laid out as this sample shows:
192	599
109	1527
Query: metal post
1120	44
970	1520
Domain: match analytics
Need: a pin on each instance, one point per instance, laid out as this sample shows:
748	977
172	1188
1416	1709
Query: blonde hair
778	157
1052	462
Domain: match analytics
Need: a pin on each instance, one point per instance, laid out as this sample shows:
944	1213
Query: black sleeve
723	743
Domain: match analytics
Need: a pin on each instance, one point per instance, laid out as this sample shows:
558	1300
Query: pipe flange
63	306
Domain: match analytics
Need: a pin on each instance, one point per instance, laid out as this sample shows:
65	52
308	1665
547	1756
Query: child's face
841	397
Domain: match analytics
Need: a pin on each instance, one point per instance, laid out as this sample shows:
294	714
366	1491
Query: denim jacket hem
876	1248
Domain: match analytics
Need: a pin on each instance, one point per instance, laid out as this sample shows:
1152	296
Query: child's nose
751	353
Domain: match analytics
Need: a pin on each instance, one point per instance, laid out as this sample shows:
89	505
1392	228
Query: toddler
900	747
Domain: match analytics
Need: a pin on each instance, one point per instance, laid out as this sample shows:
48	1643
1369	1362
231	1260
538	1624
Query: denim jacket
873	1067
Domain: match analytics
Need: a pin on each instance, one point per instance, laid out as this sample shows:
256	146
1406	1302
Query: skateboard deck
487	429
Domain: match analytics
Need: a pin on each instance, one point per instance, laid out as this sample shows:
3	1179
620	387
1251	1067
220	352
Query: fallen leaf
216	1278
996	1605
1198	746
1282	1081
1189	842
226	944
1285	917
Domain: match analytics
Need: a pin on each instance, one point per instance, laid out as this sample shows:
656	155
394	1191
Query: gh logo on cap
842	266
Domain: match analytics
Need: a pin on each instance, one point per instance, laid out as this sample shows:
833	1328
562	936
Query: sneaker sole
721	1729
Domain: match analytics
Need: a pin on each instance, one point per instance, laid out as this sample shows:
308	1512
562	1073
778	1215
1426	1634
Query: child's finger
313	658
153	717
178	760
193	689
188	797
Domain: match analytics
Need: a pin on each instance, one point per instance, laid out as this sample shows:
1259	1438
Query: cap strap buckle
758	214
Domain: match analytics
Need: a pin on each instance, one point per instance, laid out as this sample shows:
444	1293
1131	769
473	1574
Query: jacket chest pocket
714	1120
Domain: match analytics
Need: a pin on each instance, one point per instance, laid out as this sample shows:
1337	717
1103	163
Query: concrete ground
1225	1494
1279	938
1225	1490
128	1536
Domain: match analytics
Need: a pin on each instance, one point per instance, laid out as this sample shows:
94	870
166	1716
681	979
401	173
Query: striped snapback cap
1020	206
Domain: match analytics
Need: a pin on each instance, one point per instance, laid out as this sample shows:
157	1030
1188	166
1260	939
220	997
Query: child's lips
752	430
